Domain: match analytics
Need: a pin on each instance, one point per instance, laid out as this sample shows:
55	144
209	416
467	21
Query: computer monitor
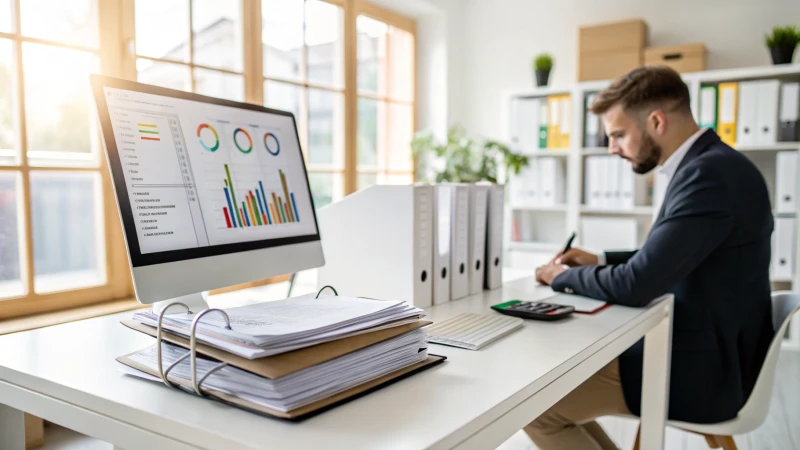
211	192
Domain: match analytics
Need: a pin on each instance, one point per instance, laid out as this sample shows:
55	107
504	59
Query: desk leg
12	428
655	383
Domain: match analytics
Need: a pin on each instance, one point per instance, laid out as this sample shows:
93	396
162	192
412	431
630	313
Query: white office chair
785	304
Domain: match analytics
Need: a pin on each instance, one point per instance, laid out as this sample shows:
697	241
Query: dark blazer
710	247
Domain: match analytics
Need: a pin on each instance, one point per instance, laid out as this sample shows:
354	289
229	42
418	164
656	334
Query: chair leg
636	441
726	442
711	441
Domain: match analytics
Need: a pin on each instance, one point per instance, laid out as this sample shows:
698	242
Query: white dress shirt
664	176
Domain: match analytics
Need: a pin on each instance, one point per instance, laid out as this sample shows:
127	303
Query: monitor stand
196	302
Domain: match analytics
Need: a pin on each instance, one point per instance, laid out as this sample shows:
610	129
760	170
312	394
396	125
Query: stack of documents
270	328
289	358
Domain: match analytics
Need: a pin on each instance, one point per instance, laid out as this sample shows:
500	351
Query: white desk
475	400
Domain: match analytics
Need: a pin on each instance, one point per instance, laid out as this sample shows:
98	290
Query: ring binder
193	349
323	288
161	371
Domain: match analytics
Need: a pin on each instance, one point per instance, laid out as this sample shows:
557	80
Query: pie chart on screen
271	144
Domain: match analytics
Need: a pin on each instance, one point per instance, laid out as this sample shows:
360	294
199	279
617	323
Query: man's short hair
644	89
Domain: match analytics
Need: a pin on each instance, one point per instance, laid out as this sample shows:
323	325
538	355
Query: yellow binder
727	111
566	120
553	120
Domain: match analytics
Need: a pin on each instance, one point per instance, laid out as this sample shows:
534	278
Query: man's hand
575	257
546	274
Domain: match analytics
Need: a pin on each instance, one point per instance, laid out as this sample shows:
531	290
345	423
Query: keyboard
472	331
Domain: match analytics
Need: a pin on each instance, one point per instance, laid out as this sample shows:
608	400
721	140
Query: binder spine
192	348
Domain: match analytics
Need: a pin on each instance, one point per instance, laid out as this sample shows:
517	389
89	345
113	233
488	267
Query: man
709	246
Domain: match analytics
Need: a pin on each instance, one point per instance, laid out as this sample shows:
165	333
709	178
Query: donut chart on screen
211	148
273	146
249	140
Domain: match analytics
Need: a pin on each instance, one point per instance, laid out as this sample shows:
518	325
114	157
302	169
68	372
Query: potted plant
782	42
542	65
461	160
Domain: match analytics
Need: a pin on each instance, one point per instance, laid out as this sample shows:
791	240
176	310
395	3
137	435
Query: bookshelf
534	234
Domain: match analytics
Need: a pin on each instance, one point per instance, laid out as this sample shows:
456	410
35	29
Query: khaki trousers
570	423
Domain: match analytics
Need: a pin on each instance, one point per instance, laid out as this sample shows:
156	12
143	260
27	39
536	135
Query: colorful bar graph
255	209
227	218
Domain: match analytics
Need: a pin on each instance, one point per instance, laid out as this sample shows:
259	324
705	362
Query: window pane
401	52
325	188
57	99
371	55
219	84
5	16
66	21
282	36
162	29
365	180
174	76
67	232
283	96
217	33
401	130
8	153
396	178
371	132
325	127
325	43
10	274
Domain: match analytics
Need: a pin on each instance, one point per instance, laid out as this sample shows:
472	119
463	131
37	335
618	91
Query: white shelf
594	151
540	92
769	148
635	211
545	152
784	214
534	246
744	73
556	208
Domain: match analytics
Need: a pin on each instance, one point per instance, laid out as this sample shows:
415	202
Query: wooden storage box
610	50
682	58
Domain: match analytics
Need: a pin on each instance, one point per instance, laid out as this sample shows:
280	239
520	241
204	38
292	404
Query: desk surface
440	408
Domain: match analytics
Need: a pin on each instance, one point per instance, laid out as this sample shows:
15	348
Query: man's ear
657	122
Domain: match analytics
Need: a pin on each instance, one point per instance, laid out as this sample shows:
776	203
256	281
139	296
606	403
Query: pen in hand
566	248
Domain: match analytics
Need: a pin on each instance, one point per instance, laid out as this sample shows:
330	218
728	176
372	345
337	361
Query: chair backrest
785	304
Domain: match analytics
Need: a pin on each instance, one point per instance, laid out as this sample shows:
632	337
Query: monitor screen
196	176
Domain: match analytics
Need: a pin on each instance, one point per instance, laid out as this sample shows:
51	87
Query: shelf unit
573	210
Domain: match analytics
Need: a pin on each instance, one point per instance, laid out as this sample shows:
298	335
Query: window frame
117	57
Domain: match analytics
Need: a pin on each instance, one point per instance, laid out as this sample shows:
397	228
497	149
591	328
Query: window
343	67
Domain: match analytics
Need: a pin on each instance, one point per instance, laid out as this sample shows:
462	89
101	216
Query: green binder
707	114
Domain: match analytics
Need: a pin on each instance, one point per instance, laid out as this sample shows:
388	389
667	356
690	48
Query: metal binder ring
193	348
323	288
158	344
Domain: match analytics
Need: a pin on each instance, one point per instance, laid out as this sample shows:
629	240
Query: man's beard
650	154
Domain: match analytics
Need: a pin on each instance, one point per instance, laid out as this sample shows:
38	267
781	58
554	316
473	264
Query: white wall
500	37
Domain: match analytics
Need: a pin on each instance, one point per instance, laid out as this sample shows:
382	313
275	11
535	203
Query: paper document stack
288	358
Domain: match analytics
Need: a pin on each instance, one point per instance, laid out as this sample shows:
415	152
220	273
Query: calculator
534	310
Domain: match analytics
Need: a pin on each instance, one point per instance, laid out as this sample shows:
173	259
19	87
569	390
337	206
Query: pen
569	244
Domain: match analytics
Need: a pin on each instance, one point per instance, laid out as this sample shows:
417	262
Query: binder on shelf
565	124
268	368
593	132
594	193
553	121
528	120
786	182
459	249
378	242
478	202
633	186
524	186
789	111
514	125
783	249
551	181
494	236
727	109
604	178
708	107
614	178
746	122
767	112
442	241
543	124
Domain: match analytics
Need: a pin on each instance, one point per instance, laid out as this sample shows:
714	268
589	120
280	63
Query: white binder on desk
494	236
478	202
783	241
459	249
785	182
442	241
377	243
767	115
746	123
